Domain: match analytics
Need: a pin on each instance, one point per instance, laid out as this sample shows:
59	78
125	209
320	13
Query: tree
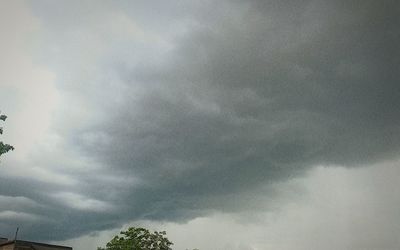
137	238
4	148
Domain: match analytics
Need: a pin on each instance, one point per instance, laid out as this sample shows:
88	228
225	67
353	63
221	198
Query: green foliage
137	238
4	148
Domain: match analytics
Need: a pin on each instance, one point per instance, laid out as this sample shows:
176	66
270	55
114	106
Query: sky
240	125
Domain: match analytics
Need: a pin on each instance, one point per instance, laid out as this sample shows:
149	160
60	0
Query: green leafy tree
137	238
4	148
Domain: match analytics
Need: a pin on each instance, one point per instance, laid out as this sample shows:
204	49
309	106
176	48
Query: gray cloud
207	113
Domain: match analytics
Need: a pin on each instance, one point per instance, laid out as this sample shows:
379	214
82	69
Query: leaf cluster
4	148
137	238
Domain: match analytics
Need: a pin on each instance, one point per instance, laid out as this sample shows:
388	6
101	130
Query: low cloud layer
329	208
172	111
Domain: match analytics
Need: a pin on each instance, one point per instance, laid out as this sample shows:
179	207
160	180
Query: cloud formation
174	111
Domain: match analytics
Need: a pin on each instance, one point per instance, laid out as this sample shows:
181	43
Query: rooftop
30	245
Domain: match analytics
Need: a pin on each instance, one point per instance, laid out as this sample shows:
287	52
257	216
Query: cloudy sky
244	125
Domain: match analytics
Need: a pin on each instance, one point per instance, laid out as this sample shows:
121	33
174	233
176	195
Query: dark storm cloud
250	94
257	97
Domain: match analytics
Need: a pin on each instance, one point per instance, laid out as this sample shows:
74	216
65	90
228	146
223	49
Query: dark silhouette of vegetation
137	238
4	148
